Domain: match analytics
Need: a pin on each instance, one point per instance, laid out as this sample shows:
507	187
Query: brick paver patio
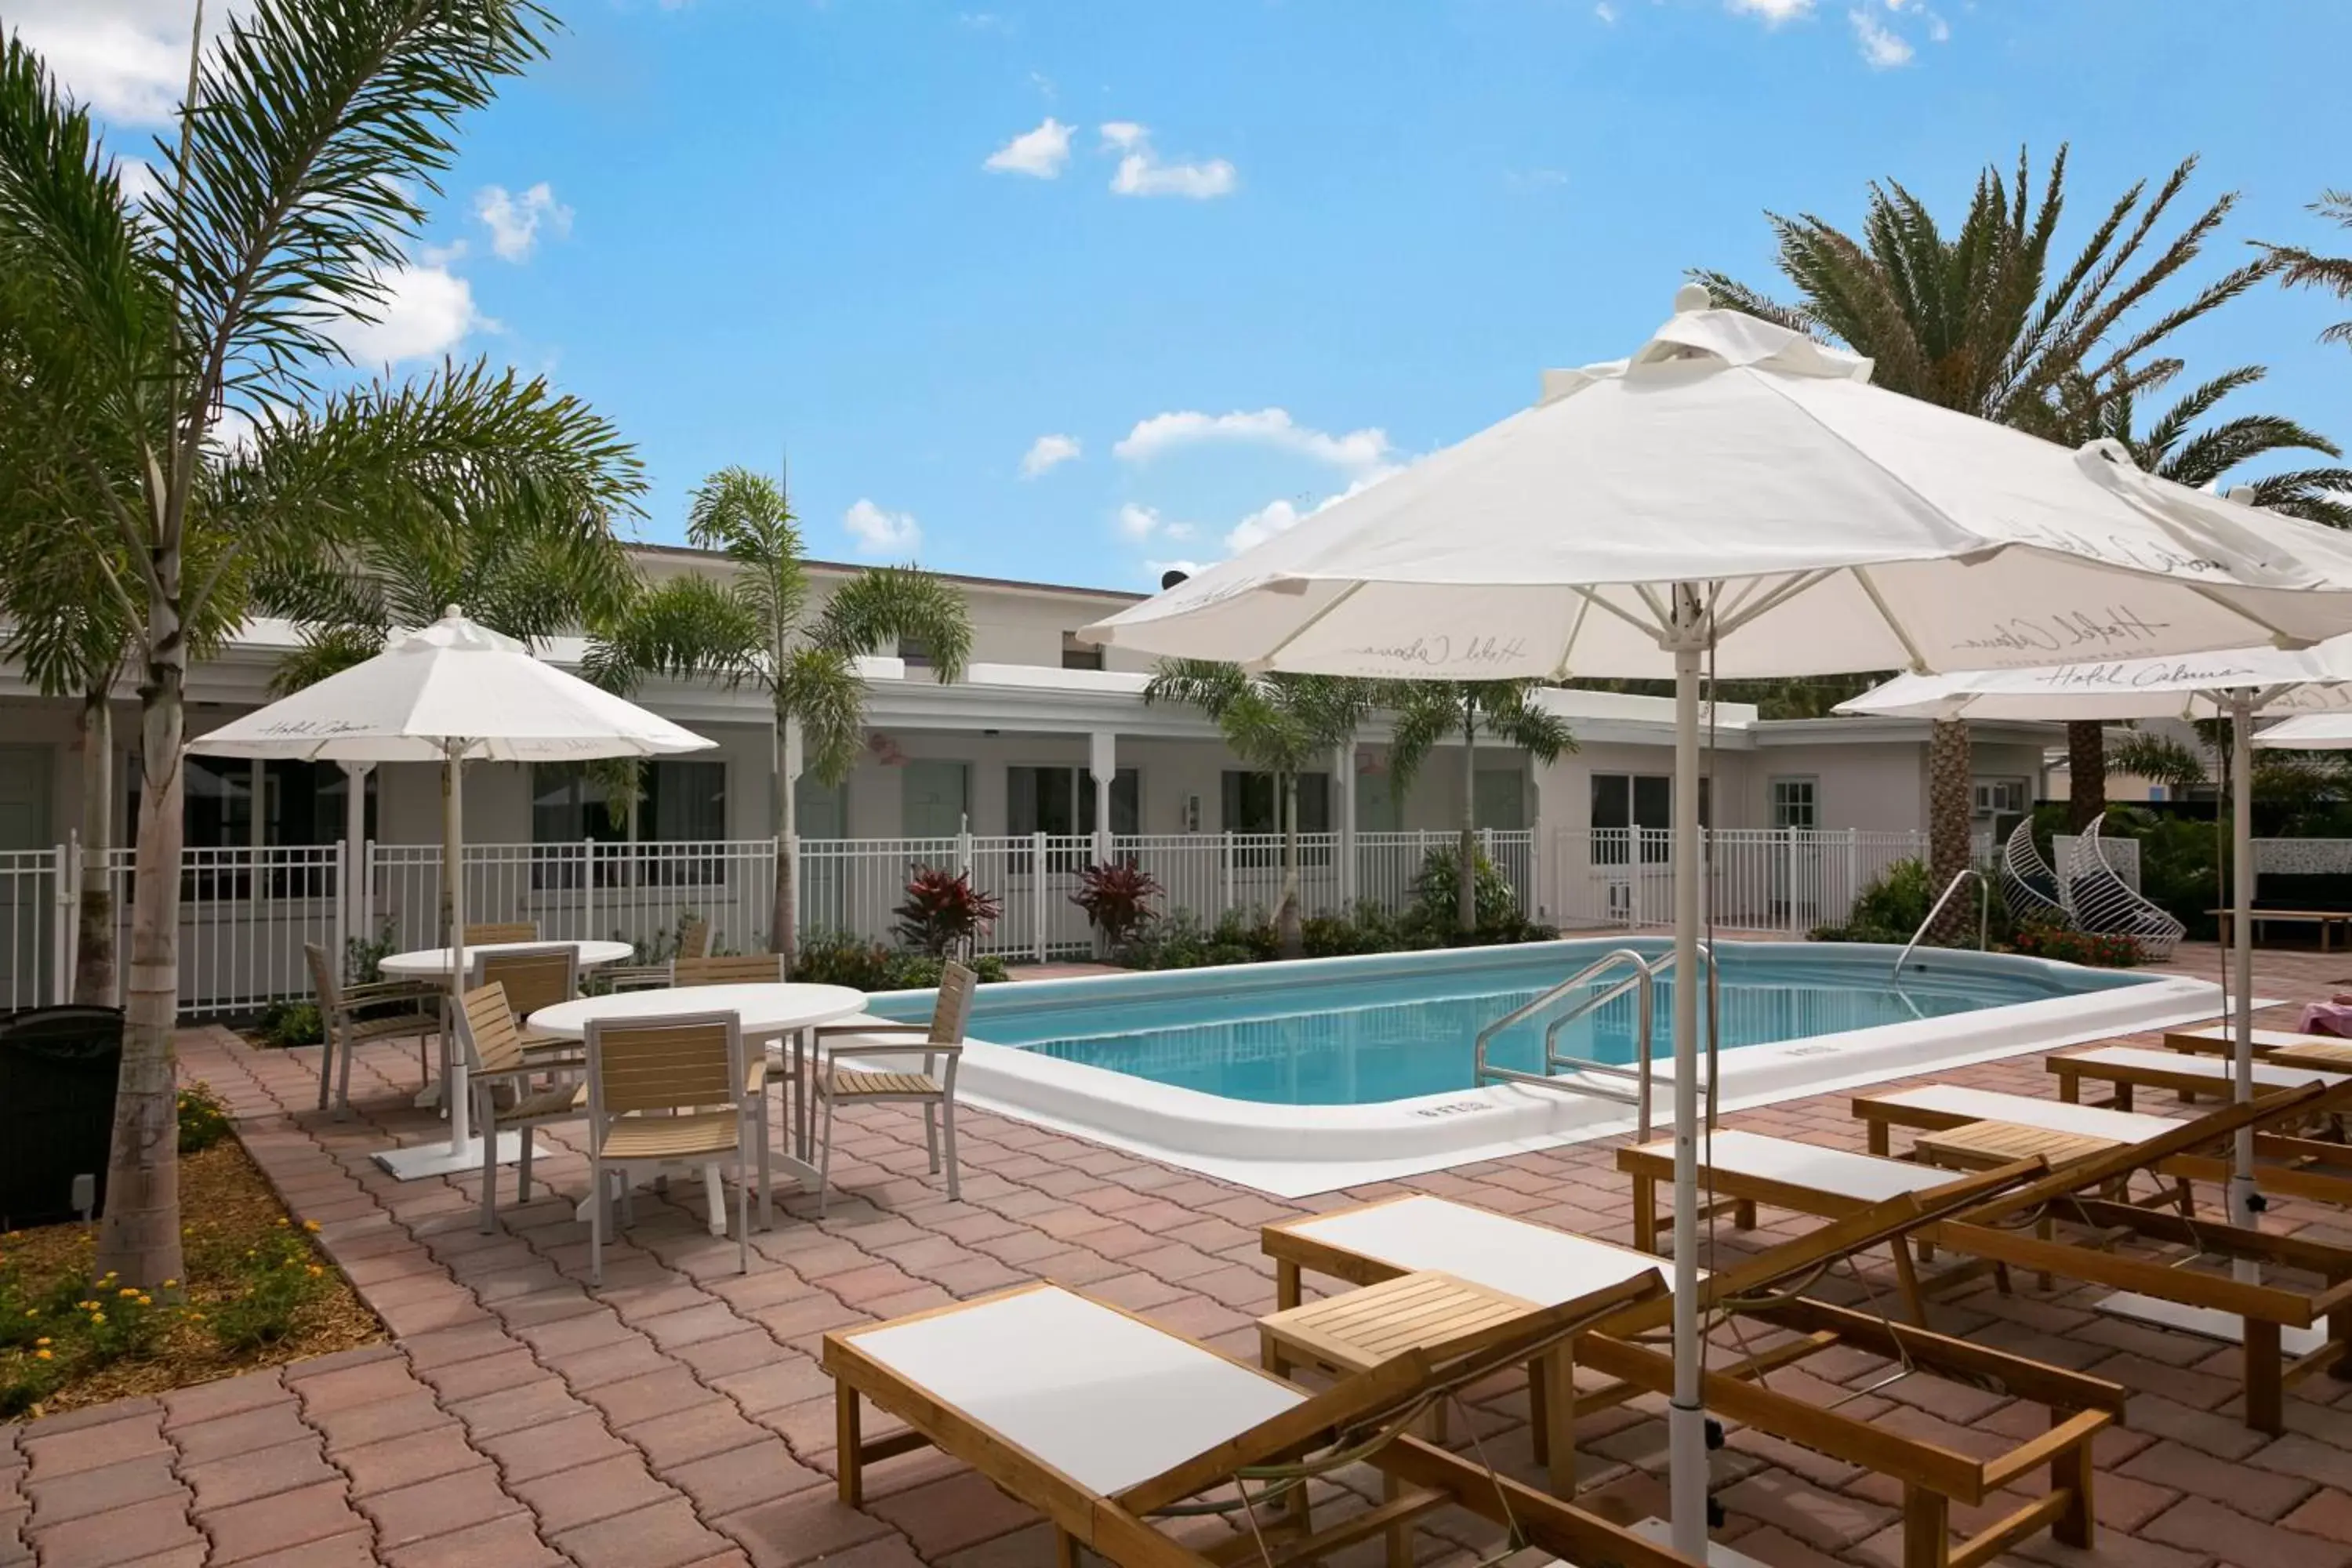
677	1416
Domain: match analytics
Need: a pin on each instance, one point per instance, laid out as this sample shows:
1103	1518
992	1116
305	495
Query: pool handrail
1641	981
1984	915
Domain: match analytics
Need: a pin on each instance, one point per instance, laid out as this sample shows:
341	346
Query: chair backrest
951	1014
534	977
694	937
686	1062
751	969
506	931
323	979
485	1026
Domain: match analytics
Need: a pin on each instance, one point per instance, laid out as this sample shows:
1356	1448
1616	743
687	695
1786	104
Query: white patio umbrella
1736	491
2236	685
2312	731
452	692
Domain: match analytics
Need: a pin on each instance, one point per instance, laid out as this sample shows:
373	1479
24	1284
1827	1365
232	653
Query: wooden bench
2325	920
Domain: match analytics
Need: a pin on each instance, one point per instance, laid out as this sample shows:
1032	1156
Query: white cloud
128	59
140	184
1178	529
879	532
1141	174
1773	12
1882	49
1357	450
1938	30
1606	12
1281	516
514	221
1138	522
1040	152
426	311
1047	453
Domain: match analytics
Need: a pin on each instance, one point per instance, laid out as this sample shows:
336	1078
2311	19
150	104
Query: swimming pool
1405	1026
1304	1077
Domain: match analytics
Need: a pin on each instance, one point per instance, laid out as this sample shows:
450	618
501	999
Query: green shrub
285	1025
1436	904
837	958
203	1120
364	958
273	1285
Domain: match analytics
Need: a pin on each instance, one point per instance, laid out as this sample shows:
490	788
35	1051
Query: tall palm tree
1281	724
761	627
1987	320
1429	712
308	136
2302	268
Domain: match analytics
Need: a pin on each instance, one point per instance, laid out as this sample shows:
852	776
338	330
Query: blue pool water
1364	1031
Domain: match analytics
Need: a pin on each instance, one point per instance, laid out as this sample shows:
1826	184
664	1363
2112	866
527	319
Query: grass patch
258	1292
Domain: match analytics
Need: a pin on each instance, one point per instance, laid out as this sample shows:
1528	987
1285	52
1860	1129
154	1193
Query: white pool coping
1298	1150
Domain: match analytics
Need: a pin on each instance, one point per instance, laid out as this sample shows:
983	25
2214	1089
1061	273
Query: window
1499	800
933	799
1999	797
1623	801
300	804
1076	655
682	802
1376	804
1251	804
1795	804
1060	803
915	653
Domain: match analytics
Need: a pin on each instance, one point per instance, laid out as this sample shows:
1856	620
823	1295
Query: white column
355	866
1102	761
1343	784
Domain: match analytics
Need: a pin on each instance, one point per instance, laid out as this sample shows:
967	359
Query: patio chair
1109	1425
490	931
739	969
1384	1241
693	937
693	942
534	978
497	1060
939	1042
352	1015
664	1092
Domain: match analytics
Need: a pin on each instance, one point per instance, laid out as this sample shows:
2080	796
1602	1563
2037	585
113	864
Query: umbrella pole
452	873
2242	1201
1686	1416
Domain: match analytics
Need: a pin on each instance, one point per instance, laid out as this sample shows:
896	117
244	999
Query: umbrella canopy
2288	680
1853	528
453	682
2312	731
448	693
1736	491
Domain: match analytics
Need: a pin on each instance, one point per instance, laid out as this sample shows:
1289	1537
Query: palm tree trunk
1286	925
1949	809
2086	772
1465	871
783	915
94	983
139	1240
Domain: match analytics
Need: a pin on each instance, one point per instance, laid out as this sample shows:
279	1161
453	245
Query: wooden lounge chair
1104	1423
2129	1068
1386	1240
2216	1040
1936	1107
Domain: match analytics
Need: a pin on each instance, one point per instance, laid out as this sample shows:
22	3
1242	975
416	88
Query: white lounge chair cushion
1106	1399
2269	1075
2025	1110
1534	1262
1866	1178
2263	1039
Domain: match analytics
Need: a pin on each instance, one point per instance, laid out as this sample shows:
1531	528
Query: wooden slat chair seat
499	1063
533	978
735	969
696	968
1104	1423
663	1089
1403	1236
939	1043
352	1016
486	932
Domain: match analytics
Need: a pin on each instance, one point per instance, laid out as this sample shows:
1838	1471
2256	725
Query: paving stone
582	1494
79	1493
759	1471
1830	1521
285	1519
117	1536
800	1529
2259	1493
2328	1514
507	1542
258	1473
359	1425
665	1535
949	1514
527	1452
2199	1525
222	1396
709	1427
55	1449
403	1461
434	1507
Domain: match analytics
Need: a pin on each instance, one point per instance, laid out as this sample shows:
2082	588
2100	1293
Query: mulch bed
228	1210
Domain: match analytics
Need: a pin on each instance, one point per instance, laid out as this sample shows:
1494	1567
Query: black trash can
58	1072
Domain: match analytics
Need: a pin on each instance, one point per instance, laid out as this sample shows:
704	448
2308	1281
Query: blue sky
1235	257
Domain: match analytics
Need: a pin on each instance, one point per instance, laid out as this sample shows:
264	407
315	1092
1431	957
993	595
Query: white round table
433	962
765	1011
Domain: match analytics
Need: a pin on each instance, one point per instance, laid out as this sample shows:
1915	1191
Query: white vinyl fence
246	914
1785	881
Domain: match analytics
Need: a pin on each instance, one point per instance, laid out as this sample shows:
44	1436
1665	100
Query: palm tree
761	627
2302	269
307	138
1430	712
1280	725
1979	322
2171	446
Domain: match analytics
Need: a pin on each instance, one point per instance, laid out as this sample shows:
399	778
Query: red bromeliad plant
943	911
1116	896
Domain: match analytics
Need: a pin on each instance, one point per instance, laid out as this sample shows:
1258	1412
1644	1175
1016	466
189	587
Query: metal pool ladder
1575	1074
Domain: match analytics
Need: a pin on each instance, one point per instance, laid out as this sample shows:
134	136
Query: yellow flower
32	1311
281	1220
96	1318
42	1356
169	1283
146	1300
42	1341
310	1224
196	1317
126	1290
316	1271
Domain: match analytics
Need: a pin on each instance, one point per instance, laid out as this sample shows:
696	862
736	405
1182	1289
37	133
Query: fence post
1536	868
1853	872
1037	906
69	920
588	889
1225	864
344	910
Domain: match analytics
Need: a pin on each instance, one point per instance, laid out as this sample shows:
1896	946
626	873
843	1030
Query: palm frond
879	608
